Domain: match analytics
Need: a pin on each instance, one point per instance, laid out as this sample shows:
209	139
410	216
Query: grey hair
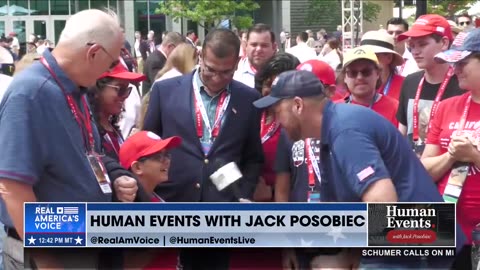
91	25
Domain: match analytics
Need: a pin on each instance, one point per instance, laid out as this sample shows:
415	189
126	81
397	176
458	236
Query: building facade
47	17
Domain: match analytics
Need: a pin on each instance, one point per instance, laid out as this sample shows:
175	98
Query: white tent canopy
15	10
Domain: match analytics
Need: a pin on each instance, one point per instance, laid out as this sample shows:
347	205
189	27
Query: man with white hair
49	143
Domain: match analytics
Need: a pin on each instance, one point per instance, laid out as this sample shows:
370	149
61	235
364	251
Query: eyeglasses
115	61
464	23
208	71
161	156
121	91
365	73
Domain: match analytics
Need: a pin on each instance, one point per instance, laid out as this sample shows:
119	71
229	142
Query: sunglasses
354	73
465	23
115	61
121	91
161	156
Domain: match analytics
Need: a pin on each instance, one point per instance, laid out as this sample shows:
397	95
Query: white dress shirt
302	52
245	73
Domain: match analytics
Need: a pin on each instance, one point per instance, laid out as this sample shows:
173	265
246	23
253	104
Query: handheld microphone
226	177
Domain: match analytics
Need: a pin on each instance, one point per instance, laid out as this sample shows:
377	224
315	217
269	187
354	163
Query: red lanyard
200	114
267	131
82	121
463	120
312	164
440	92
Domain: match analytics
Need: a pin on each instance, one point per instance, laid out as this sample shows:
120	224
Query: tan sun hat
381	42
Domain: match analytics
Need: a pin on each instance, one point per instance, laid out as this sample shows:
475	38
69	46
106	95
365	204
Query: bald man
49	145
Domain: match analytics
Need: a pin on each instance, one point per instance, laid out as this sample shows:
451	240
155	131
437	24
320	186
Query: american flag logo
365	173
70	210
459	39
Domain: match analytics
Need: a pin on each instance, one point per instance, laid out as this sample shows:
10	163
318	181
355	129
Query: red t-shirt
270	152
166	259
385	106
395	87
444	123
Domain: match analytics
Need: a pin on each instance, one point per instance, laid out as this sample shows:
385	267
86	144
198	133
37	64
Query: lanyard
312	164
201	113
82	121
386	89
463	119
267	131
440	92
110	141
350	100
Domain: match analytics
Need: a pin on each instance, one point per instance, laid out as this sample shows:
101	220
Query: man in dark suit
157	59
225	129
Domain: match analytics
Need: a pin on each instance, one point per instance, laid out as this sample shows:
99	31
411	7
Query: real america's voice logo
411	224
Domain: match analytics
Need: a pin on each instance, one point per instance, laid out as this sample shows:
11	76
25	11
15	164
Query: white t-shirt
332	59
303	52
410	65
4	83
129	117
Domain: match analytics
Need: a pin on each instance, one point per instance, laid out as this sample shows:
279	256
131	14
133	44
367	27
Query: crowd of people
392	120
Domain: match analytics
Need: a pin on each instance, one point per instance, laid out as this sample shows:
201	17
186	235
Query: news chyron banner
238	225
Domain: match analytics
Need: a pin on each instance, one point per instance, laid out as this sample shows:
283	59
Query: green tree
209	12
447	8
319	9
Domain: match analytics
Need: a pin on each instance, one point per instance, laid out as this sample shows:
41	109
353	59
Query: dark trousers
205	259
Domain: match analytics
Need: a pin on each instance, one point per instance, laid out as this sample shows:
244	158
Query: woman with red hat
107	100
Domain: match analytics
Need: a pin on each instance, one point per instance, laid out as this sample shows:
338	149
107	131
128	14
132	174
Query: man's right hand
289	259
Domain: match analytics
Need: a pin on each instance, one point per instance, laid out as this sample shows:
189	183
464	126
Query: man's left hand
126	188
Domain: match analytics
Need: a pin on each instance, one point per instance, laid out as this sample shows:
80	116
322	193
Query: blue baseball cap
289	84
464	44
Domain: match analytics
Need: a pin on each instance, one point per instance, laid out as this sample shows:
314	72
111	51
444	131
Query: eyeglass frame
225	74
115	62
125	90
160	156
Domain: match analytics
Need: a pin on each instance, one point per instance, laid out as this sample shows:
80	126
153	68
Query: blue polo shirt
42	144
360	147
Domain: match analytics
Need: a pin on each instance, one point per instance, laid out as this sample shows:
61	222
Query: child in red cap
146	155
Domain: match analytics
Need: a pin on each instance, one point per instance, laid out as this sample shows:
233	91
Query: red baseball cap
322	70
122	73
142	144
427	25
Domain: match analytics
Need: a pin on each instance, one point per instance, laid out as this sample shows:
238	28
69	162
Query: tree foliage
447	8
332	10
210	12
